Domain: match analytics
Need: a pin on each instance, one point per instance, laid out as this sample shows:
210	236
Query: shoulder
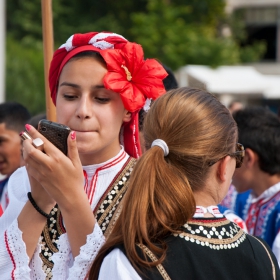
116	266
263	253
18	184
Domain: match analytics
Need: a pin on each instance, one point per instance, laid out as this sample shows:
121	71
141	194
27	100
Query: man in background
258	179
13	117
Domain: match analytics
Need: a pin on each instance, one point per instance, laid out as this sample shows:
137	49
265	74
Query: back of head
14	115
170	81
197	128
259	130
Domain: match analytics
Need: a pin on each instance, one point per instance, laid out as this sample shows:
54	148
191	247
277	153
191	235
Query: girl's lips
84	131
79	130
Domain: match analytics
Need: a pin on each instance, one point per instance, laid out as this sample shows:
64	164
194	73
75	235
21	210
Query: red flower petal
147	75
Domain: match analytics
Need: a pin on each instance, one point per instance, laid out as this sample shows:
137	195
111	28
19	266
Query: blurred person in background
258	180
228	204
13	117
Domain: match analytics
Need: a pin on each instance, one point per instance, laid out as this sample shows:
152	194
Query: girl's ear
222	170
251	158
127	116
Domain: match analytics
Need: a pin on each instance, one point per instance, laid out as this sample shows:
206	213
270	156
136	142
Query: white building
228	83
257	83
262	21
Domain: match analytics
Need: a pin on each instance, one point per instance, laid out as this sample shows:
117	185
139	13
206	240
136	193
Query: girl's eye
102	100
69	97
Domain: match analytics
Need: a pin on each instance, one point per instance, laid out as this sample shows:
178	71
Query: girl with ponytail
170	226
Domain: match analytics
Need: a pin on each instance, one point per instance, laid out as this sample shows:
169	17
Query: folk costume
205	248
137	81
261	215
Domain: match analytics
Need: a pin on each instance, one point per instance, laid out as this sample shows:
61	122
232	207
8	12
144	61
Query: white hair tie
160	143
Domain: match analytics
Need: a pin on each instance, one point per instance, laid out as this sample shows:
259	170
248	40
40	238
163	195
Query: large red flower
133	77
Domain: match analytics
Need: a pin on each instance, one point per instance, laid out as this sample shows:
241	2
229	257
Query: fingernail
28	127
73	135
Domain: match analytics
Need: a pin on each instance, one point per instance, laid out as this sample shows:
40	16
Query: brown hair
198	129
97	56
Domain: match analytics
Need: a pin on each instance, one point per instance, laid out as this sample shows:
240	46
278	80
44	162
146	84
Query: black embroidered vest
209	249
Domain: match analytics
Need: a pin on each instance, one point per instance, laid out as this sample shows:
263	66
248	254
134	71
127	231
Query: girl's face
95	113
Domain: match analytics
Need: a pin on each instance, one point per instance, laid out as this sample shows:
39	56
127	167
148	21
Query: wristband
32	201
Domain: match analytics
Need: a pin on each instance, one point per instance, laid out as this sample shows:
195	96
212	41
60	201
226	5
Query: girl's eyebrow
77	86
98	86
69	85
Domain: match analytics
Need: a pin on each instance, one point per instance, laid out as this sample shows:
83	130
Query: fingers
38	144
31	147
31	155
42	143
55	172
72	149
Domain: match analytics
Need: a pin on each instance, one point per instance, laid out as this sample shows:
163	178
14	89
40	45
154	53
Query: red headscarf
135	79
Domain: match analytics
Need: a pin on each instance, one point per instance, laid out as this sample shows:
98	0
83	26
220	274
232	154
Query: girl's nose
84	110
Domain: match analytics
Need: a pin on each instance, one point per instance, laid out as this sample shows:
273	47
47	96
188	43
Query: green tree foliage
25	75
176	39
176	32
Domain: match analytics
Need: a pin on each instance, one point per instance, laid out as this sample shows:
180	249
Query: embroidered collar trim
214	210
267	194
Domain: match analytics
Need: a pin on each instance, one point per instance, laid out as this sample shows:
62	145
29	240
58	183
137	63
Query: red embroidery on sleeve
11	256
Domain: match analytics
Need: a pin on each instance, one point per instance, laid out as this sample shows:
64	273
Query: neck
204	198
98	157
264	181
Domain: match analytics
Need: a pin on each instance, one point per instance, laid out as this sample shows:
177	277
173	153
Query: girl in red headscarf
63	207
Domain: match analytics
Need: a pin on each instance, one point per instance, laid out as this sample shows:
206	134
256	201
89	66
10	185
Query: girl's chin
85	149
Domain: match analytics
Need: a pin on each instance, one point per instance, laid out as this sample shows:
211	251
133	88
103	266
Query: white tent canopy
232	80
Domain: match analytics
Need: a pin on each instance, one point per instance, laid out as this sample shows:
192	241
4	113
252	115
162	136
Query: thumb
72	149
